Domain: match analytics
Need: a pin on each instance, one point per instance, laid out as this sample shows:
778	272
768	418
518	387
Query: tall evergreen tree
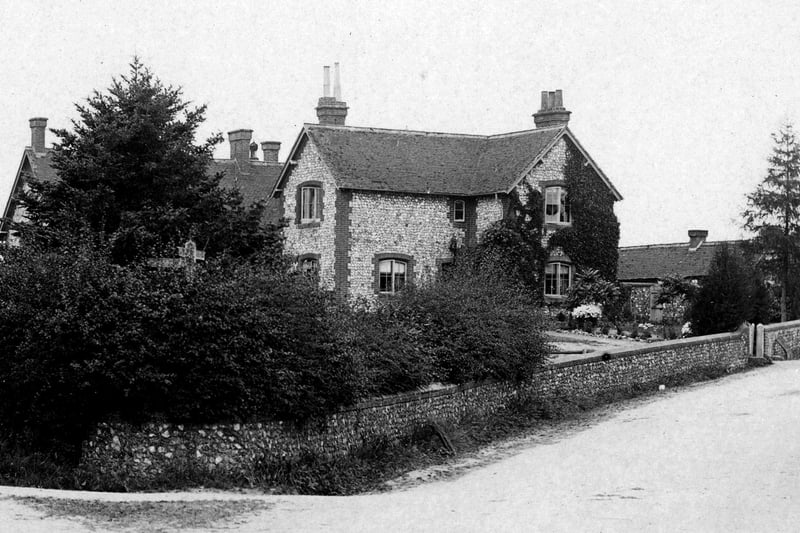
133	179
724	300
772	213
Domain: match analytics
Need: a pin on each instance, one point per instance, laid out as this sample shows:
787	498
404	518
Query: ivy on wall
592	239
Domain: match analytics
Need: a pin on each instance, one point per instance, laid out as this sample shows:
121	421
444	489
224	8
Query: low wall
141	452
779	341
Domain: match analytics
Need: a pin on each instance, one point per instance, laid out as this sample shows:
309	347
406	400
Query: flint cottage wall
413	226
317	238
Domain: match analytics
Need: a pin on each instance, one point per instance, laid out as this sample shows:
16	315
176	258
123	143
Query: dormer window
459	211
556	206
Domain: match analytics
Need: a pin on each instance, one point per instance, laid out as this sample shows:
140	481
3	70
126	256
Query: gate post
759	341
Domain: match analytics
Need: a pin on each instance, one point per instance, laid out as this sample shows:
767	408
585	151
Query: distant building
641	268
254	178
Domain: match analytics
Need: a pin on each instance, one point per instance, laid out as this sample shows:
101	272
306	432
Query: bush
471	325
723	302
84	340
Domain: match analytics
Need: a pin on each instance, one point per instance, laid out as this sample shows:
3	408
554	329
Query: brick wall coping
606	355
779	326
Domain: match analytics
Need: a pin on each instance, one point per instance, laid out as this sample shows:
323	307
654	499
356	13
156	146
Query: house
254	178
641	268
373	209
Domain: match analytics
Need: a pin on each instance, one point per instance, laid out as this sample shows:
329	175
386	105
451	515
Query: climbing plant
592	239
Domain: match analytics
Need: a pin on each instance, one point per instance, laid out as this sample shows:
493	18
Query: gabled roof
254	179
657	261
426	162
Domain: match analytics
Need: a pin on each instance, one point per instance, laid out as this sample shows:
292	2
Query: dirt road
720	456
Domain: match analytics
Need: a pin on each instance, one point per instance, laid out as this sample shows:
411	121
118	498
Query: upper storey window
310	210
459	211
556	206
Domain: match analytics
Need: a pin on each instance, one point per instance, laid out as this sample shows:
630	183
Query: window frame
456	204
558	266
316	208
380	258
563	212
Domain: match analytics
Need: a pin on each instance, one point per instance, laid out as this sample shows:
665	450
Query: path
719	456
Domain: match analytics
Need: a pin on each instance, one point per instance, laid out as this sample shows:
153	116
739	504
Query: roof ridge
394	130
523	132
674	244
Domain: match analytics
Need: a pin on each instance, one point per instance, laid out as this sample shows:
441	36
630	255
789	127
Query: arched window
391	275
309	266
557	279
309	211
556	206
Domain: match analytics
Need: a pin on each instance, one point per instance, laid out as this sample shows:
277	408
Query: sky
675	101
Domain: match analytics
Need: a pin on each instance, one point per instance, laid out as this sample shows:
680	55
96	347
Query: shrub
472	325
84	340
723	301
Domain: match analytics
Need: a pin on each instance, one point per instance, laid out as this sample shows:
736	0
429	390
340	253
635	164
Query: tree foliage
131	175
724	300
772	214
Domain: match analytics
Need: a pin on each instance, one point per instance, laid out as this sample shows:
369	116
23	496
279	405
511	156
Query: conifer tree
132	179
772	213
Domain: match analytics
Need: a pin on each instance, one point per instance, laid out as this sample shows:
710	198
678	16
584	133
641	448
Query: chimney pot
326	81
331	110
337	84
552	113
240	144
253	150
271	150
38	127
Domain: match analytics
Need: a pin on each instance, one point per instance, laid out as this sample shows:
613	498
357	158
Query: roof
657	261
254	179
428	162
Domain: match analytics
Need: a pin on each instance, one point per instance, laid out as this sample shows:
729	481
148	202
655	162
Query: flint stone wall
142	452
781	341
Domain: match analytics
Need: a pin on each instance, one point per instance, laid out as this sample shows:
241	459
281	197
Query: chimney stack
552	112
330	109
38	127
696	238
271	149
240	144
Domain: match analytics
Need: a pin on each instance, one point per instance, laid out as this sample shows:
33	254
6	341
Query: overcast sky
676	101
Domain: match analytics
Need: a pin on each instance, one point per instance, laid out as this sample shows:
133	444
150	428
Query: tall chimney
326	81
552	113
330	109
240	144
271	149
696	238
38	127
337	83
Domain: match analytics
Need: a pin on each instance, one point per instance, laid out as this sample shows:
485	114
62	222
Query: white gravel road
719	456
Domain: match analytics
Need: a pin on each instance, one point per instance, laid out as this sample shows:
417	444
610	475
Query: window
391	276
309	204
459	211
556	206
557	279
309	266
